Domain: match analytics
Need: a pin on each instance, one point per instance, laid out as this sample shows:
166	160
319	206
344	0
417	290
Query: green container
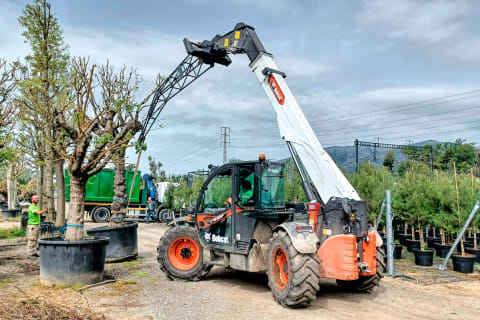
99	187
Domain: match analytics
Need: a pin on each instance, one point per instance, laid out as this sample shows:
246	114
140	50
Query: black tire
195	273
101	214
303	273
367	284
164	216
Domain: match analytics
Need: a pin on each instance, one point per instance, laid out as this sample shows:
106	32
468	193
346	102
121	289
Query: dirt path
143	292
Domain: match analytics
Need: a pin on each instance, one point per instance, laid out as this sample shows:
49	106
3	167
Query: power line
328	121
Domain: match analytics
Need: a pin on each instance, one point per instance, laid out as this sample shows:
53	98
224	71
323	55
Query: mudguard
180	221
304	240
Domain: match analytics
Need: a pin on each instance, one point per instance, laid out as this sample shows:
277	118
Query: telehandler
241	220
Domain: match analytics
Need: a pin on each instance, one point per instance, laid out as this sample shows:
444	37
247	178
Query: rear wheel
292	276
367	284
180	254
101	214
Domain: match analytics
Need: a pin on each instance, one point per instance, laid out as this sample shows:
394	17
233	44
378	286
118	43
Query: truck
99	194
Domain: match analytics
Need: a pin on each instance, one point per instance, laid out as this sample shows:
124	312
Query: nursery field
141	291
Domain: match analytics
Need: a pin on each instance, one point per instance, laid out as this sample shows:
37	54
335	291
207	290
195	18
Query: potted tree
425	198
465	198
405	204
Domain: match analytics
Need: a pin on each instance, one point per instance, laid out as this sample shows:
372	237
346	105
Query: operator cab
233	197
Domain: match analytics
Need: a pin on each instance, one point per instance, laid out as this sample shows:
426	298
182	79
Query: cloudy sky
398	70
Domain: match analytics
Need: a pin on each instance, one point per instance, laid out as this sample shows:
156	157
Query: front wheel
292	276
180	254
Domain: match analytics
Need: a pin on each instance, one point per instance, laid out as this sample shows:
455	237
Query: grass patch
12	233
5	282
141	274
120	288
131	263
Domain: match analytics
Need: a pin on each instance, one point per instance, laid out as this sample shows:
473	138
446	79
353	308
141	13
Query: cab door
214	219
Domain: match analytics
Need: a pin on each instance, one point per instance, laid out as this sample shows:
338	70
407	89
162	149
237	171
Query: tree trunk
49	189
11	186
412	228
405	230
119	205
60	178
76	209
422	243
475	239
442	235
433	230
40	186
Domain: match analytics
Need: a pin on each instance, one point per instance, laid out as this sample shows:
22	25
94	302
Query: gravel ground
143	292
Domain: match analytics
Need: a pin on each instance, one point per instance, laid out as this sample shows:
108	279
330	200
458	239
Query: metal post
382	208
356	155
443	266
388	219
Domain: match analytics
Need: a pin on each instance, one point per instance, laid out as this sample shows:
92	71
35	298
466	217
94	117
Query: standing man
33	228
151	206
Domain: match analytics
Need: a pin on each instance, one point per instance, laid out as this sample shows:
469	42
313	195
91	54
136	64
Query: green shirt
33	218
245	196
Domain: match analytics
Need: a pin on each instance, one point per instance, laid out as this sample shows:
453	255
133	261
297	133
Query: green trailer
99	193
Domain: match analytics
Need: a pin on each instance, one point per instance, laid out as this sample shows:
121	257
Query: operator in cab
246	191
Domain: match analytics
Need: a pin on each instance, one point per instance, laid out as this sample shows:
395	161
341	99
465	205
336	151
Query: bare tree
119	91
94	134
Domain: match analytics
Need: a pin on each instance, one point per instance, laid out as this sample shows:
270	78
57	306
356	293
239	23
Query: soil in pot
423	258
397	251
123	240
412	245
441	250
72	262
463	264
475	252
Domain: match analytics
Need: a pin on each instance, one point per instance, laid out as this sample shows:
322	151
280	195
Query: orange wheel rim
184	253
280	268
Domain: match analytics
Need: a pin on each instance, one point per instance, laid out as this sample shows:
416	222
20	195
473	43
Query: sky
399	71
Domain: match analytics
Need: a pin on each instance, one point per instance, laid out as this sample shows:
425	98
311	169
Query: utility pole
225	134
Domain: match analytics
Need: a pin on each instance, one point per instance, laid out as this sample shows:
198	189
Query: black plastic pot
123	240
441	250
463	264
7	213
465	244
412	245
24	220
475	252
72	262
403	238
431	241
397	251
423	258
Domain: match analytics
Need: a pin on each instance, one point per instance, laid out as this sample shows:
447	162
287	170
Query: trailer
99	194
